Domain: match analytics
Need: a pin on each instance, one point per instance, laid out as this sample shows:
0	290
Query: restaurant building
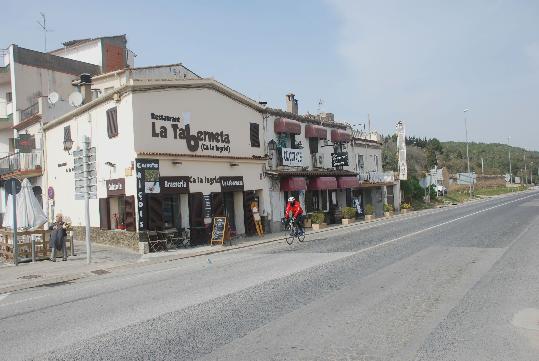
169	154
324	164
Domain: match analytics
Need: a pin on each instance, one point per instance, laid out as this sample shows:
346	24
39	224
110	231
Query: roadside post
86	184
15	242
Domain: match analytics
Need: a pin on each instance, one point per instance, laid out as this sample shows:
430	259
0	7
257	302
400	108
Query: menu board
220	230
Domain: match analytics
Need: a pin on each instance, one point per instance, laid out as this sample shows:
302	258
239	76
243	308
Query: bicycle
293	231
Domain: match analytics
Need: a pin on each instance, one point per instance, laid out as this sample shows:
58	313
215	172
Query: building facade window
360	163
313	145
254	132
9	97
112	122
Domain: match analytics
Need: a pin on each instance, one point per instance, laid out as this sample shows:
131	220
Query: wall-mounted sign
147	172
115	187
25	143
174	185
207	207
339	159
231	184
292	157
203	140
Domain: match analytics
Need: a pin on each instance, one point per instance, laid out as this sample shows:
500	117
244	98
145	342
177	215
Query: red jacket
295	208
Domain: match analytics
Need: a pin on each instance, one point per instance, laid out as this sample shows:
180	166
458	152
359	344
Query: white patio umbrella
30	215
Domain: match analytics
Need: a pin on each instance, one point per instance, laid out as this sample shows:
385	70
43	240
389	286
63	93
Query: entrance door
248	218
155	212
196	218
228	203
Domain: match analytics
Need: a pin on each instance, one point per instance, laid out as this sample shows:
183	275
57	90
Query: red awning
348	182
338	135
284	125
316	131
321	183
293	184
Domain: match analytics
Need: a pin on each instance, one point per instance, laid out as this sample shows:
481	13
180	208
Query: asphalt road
459	283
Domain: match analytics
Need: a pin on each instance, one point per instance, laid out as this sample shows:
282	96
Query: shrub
317	217
349	212
369	210
388	207
406	206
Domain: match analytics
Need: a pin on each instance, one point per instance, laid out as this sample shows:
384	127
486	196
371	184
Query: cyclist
297	213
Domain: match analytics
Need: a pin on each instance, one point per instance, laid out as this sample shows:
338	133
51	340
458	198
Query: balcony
29	112
25	164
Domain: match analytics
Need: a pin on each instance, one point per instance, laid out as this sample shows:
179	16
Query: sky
420	62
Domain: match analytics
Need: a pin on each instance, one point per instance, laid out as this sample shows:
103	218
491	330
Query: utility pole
525	170
482	166
510	170
467	152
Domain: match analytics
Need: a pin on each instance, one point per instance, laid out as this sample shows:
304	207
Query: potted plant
348	215
405	208
317	219
388	210
369	212
307	223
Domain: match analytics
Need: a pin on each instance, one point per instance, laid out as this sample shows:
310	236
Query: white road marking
439	225
3	296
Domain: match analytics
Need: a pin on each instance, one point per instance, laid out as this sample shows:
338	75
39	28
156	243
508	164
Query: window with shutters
112	122
67	134
254	133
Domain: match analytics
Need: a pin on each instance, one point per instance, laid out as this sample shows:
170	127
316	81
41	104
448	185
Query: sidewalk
106	259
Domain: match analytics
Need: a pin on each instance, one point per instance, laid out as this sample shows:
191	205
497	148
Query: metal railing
30	111
21	162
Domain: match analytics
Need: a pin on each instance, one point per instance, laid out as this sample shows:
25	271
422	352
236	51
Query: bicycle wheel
289	239
301	237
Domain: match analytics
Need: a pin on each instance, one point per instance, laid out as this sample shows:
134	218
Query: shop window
112	122
312	201
313	145
324	196
171	211
254	133
309	207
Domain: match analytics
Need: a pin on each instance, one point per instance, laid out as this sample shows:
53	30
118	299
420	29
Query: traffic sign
81	196
85	175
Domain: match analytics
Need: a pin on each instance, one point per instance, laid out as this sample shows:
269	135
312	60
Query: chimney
86	87
291	103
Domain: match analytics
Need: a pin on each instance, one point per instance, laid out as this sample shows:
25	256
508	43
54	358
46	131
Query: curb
164	259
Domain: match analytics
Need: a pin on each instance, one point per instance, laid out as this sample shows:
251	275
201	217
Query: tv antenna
46	30
320	103
75	99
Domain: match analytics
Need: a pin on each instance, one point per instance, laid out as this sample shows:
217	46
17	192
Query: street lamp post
467	153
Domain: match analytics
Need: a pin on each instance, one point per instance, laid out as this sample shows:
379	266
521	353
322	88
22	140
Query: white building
27	78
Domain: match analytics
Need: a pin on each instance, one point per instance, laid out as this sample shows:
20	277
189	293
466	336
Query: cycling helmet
291	199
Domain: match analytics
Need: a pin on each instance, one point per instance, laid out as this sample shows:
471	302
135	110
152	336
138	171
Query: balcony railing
30	111
21	162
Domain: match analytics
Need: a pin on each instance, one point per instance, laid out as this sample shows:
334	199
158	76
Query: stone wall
113	238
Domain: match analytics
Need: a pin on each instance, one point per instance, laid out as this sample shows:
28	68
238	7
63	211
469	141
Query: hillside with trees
424	154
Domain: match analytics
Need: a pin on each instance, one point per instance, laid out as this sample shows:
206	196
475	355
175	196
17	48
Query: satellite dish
75	99
53	98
